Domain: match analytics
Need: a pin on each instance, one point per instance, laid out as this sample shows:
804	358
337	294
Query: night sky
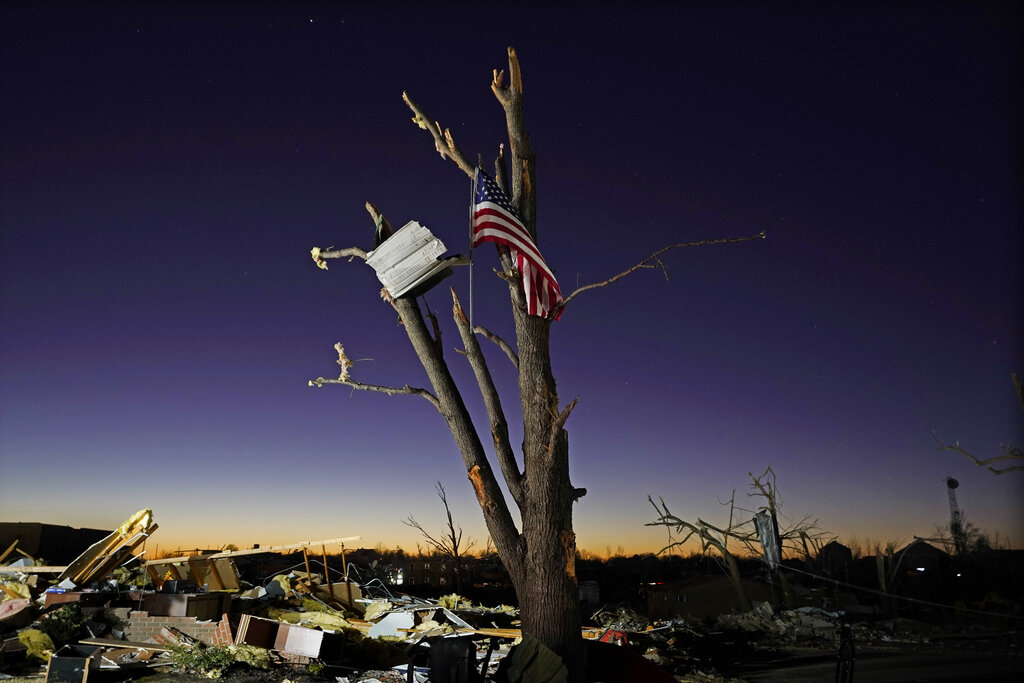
166	170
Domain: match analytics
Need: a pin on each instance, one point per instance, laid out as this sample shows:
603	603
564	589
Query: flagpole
472	202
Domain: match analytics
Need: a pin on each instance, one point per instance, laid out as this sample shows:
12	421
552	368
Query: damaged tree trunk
540	557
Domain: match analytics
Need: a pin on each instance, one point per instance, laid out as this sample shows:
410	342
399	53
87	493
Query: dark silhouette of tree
448	543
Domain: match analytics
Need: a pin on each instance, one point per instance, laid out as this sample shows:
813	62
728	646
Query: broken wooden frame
103	557
217	572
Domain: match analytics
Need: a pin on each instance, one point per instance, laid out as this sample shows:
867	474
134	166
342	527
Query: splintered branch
670	522
444	143
344	378
319	255
492	401
559	423
501	343
523	162
653	262
383	232
500	173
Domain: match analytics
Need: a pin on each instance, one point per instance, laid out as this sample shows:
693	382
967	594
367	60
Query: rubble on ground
111	610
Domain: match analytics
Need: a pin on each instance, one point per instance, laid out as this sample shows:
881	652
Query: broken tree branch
319	254
320	381
522	161
646	263
495	508
444	143
344	378
383	232
703	531
492	401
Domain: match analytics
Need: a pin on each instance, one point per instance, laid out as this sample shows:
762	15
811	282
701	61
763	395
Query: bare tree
539	558
802	537
709	536
1010	453
449	543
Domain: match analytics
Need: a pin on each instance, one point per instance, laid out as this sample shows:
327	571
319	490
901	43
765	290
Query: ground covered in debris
199	618
723	651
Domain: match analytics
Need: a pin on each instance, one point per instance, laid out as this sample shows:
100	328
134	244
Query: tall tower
956	520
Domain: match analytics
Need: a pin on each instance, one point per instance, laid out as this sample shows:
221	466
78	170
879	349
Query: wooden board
134	644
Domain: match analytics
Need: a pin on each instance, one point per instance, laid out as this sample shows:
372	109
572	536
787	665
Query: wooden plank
327	574
195	570
117	557
96	562
588	632
155	577
11	594
348	584
34	569
133	644
10	548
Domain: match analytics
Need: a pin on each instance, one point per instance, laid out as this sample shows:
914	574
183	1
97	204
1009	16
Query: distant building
701	598
835	560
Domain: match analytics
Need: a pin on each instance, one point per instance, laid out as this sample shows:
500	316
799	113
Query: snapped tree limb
444	143
492	402
345	378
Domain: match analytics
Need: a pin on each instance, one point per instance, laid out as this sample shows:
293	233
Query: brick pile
143	627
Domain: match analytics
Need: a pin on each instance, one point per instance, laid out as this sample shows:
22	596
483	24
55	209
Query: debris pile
797	625
111	610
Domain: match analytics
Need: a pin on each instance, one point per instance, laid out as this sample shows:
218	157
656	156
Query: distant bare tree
448	544
802	537
709	536
1010	453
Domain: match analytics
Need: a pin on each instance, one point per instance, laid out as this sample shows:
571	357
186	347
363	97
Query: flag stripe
494	220
492	234
496	224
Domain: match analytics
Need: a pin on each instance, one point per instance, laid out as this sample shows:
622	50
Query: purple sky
166	170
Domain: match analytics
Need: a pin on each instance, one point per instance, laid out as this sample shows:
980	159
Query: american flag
494	220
